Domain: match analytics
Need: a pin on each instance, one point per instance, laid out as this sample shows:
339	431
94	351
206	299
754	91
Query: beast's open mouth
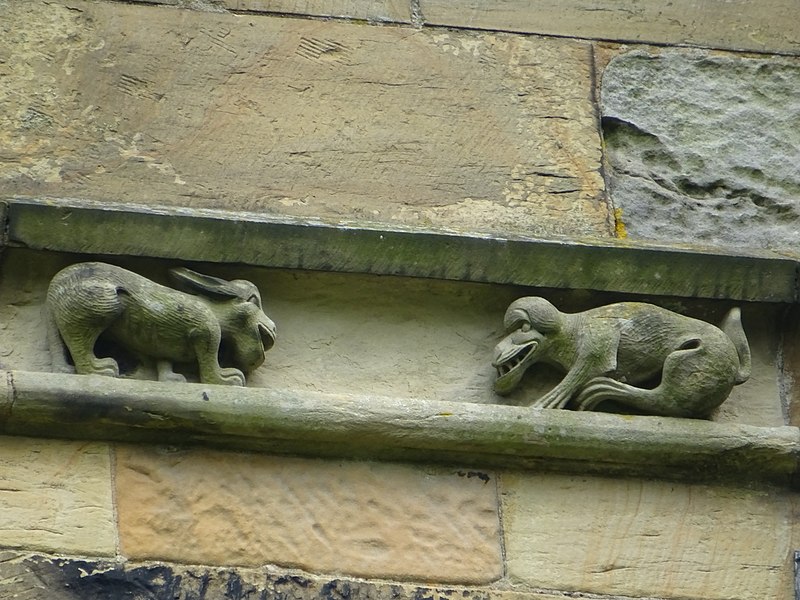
267	336
510	368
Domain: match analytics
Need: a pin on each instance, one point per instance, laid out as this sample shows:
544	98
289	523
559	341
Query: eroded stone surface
361	519
644	538
34	576
151	104
705	148
371	10
55	496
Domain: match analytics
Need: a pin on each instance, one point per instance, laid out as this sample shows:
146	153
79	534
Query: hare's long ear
192	281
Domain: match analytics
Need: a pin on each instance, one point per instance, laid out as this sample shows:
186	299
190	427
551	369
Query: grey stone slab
381	428
197	235
705	148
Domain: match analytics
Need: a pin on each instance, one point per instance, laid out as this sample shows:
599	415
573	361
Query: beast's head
529	322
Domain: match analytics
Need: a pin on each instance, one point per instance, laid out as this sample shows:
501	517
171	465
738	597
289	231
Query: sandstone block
337	121
55	496
705	148
362	519
371	10
645	538
748	25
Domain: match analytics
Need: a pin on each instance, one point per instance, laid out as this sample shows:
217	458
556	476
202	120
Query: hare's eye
525	327
254	300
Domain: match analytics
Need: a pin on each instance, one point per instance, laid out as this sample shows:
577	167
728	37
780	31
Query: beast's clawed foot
107	367
231	376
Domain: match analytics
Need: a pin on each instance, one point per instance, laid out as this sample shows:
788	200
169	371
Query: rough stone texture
361	519
705	148
769	25
371	10
31	577
644	538
149	104
55	496
378	11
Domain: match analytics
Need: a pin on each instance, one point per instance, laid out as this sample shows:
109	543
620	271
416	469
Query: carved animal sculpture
636	354
156	323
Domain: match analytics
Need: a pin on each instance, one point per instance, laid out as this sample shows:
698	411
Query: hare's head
247	333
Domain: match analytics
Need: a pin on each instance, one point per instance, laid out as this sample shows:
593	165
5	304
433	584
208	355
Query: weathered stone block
746	25
55	496
35	577
644	538
705	148
337	121
361	519
371	10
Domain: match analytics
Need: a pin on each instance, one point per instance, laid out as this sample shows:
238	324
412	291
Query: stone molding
64	225
347	426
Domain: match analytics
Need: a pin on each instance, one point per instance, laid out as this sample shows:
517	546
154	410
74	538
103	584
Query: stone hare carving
636	354
157	324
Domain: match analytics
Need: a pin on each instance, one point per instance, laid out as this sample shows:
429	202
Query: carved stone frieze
635	354
157	325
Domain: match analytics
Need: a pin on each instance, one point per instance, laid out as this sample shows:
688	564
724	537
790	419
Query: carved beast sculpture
156	323
636	354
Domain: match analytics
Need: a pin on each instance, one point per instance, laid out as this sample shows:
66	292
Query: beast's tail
732	326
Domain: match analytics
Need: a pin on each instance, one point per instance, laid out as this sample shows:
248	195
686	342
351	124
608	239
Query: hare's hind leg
81	319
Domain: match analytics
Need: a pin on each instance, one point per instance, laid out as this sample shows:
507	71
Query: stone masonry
652	124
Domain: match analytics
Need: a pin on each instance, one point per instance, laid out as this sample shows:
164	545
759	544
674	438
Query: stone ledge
205	235
314	424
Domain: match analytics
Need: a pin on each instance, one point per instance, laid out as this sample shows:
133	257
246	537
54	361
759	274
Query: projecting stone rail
246	238
462	434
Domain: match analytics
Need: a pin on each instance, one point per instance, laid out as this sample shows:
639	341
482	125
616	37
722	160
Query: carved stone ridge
635	354
388	428
203	235
156	324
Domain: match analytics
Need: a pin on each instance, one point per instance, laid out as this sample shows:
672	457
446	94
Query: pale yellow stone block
363	519
647	538
762	25
55	496
372	10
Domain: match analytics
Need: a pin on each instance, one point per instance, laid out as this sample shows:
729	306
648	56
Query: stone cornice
223	237
405	429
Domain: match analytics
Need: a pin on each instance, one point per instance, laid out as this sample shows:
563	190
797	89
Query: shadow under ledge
398	429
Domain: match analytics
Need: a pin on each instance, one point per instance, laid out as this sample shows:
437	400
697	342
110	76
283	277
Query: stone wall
583	122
